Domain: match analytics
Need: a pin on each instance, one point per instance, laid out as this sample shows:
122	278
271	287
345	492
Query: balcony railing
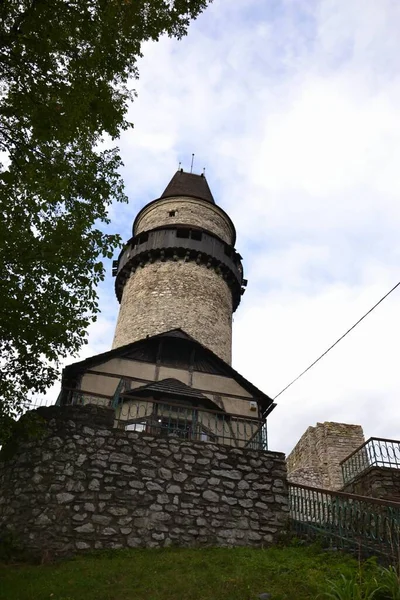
164	418
375	452
350	521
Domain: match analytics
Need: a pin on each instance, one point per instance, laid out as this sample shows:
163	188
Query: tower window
182	233
195	234
172	213
143	237
228	251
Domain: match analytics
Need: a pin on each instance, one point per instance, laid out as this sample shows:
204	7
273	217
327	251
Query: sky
292	107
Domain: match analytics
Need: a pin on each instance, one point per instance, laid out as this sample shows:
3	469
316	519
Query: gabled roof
188	184
172	388
221	367
175	333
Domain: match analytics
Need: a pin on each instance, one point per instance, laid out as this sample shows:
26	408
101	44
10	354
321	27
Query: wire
337	341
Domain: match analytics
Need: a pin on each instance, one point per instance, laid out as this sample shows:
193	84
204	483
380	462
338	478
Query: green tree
65	66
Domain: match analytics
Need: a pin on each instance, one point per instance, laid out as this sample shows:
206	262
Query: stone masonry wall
315	460
378	482
307	476
188	211
168	295
84	485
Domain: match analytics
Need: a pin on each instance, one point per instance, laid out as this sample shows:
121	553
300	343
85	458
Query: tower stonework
315	460
180	269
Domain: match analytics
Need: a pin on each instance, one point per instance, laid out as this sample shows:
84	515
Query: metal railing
33	404
375	452
259	439
350	521
168	418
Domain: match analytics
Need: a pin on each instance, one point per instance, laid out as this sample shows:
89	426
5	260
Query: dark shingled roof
175	333
78	368
188	184
172	388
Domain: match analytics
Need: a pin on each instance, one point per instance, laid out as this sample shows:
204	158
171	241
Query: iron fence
362	523
32	404
375	452
166	418
259	439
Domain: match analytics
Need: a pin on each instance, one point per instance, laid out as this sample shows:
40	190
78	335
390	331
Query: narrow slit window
172	213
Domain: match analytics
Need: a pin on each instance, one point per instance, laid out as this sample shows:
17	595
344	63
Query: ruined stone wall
307	476
188	211
168	295
84	485
378	482
315	460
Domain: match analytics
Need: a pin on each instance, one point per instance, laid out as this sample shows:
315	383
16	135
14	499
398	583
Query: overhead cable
337	341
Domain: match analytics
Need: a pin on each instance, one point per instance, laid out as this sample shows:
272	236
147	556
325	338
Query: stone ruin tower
180	269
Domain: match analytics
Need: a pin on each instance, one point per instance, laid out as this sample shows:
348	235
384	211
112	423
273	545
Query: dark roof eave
206	402
79	367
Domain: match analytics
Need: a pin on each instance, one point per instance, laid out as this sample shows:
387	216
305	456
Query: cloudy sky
293	108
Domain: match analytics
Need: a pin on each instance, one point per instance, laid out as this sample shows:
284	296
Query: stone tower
315	460
180	269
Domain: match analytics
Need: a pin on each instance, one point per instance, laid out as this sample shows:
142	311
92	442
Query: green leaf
64	68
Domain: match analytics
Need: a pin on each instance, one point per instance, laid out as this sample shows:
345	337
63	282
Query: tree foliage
65	67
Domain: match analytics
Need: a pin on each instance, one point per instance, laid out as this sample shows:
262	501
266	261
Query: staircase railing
350	521
375	452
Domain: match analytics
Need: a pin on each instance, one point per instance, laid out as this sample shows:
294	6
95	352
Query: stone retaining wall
84	485
377	482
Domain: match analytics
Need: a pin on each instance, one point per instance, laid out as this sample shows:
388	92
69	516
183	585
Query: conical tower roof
188	184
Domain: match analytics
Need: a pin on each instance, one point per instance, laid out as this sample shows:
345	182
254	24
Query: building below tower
169	384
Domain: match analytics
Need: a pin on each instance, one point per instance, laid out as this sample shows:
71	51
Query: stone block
64	498
210	496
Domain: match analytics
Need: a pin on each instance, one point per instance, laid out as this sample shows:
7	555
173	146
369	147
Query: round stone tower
180	269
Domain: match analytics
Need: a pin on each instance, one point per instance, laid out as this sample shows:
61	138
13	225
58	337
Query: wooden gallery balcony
185	418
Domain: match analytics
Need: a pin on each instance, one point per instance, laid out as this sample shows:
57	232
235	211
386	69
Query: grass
294	572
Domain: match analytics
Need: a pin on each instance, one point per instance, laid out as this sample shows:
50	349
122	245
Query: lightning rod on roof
191	166
179	166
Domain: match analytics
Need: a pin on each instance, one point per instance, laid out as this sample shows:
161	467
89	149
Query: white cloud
293	107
